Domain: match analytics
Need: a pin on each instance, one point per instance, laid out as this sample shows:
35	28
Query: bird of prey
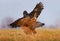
29	19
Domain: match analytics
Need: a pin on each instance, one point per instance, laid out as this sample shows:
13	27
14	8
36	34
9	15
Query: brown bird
28	21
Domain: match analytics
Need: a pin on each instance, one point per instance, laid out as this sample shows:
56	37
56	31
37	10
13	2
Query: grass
19	35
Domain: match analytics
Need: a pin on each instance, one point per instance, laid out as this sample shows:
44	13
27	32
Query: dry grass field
19	35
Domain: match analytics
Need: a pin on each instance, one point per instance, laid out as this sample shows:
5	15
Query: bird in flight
28	21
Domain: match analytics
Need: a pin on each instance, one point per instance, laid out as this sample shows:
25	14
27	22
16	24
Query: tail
39	24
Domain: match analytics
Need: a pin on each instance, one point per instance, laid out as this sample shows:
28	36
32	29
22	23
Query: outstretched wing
15	23
38	9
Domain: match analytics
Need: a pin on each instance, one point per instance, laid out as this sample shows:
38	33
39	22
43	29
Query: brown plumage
28	21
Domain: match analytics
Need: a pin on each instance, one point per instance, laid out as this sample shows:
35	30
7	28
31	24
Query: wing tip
40	4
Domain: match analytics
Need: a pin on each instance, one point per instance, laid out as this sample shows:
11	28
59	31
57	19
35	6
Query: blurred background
11	10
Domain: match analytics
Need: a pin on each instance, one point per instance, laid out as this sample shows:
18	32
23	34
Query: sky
15	8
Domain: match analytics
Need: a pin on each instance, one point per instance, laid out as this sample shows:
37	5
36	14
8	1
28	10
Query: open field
19	35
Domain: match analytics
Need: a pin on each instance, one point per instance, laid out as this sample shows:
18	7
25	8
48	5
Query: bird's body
29	19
